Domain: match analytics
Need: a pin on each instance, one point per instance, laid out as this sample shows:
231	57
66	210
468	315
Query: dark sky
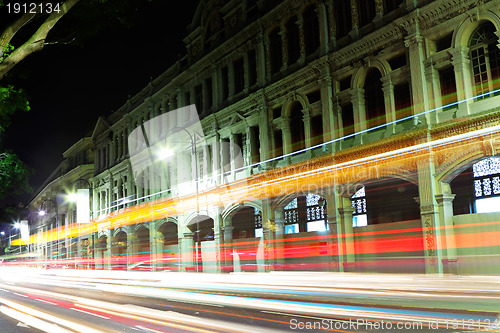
69	87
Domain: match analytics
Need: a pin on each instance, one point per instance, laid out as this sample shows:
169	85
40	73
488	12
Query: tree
10	56
24	32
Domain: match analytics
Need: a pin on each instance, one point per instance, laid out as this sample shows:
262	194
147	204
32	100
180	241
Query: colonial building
52	212
365	129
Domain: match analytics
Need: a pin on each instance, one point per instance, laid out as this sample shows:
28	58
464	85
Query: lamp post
165	153
84	213
42	213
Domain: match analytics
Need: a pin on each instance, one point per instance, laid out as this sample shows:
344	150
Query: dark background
69	86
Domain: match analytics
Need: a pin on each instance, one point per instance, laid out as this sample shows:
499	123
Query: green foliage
13	175
11	101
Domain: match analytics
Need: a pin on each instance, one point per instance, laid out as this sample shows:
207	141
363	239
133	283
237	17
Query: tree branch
12	29
36	41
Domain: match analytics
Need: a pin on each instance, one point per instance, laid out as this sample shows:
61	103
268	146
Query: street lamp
42	213
83	211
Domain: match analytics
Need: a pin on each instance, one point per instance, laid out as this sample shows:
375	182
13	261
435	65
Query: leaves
11	101
13	175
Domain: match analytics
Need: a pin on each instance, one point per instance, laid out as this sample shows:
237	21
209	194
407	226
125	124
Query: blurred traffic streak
412	299
323	173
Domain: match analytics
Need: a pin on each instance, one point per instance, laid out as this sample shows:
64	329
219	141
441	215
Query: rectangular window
254	136
348	119
278	143
208	93
402	100
343	17
252	67
448	87
225	83
198	97
239	75
317	129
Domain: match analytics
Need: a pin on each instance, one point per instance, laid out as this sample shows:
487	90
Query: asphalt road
89	305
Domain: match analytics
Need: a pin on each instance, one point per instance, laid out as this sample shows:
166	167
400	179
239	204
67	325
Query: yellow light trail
401	152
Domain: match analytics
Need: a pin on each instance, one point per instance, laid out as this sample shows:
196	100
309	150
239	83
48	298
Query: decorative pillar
324	36
328	111
358	106
302	42
284	48
445	207
279	243
307	128
346	237
463	80
429	213
261	55
264	132
287	135
334	222
389	102
415	44
434	86
228	248
187	252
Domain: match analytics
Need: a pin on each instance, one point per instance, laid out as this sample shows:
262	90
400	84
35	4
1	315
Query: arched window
297	127
374	98
487	185
485	58
311	29
275	50
293	39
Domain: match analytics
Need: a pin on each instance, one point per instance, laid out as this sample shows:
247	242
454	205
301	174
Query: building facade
363	124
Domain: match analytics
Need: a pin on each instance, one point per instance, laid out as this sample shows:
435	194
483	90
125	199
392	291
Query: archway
169	251
247	246
118	259
204	250
101	252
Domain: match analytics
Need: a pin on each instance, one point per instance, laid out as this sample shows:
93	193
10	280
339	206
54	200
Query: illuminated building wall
280	77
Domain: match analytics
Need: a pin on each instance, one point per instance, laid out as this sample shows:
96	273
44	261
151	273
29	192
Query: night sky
69	86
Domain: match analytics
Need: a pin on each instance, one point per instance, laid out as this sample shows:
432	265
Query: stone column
279	244
345	230
430	216
434	86
228	248
302	42
155	246
354	18
261	58
307	128
415	44
324	36
464	82
358	106
328	112
264	133
284	48
267	60
445	207
187	252
333	221
287	135
268	234
390	104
